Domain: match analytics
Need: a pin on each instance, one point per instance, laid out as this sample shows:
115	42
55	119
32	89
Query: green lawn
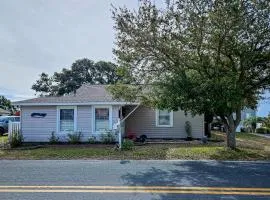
3	139
250	147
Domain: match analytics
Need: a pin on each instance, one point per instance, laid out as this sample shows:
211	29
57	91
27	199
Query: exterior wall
143	122
84	121
38	129
115	114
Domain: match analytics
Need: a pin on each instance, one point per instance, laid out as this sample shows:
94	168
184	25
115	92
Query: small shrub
263	130
107	137
75	137
92	140
53	139
188	129
15	139
127	144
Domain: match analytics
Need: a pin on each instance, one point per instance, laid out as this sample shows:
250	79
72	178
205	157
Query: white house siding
143	122
115	114
84	121
38	129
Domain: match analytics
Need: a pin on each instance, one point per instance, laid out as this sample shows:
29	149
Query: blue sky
46	35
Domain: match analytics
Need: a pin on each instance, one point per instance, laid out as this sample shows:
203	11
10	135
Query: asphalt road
115	180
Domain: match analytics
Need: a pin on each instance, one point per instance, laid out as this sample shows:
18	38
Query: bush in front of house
188	129
92	140
107	137
75	137
53	139
263	130
15	139
127	144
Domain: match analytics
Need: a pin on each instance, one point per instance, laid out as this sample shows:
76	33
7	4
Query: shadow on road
212	174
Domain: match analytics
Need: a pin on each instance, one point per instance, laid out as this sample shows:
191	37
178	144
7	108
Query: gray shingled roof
86	94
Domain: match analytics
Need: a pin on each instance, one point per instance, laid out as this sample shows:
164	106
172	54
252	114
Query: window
102	121
67	118
164	118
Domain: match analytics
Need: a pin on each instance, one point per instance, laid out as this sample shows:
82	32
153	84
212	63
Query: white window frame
94	117
58	117
157	119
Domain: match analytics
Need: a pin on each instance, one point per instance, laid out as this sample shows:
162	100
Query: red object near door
17	113
131	135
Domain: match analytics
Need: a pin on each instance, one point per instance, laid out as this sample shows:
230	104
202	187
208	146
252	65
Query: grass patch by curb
250	147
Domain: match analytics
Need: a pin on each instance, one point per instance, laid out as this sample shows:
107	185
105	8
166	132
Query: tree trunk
208	118
230	126
207	129
231	141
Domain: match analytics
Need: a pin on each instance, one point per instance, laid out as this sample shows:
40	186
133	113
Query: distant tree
251	122
266	121
82	71
6	104
201	56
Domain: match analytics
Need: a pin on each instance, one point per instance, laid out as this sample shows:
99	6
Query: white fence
14	127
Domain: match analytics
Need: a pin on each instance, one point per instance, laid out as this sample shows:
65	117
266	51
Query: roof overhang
75	104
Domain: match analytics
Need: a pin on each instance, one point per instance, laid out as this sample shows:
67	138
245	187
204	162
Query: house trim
58	117
157	119
75	104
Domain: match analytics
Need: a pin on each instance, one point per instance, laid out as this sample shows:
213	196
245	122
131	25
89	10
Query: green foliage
251	122
266	121
53	139
15	139
6	104
75	137
200	56
82	71
188	129
92	140
127	144
107	137
263	130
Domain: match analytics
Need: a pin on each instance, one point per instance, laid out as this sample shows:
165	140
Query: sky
46	35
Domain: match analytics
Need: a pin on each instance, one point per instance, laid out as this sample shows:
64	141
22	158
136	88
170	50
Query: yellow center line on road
132	187
134	191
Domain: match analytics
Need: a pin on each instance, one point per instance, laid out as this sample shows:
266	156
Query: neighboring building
245	114
93	111
4	112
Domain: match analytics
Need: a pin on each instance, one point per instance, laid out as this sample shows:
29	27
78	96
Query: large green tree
201	56
82	71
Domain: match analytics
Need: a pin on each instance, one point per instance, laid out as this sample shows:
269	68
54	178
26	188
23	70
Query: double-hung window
164	118
102	119
67	119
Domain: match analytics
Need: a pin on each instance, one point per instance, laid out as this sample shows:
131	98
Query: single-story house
92	111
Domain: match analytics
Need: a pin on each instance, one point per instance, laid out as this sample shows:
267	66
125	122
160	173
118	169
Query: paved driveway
81	179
